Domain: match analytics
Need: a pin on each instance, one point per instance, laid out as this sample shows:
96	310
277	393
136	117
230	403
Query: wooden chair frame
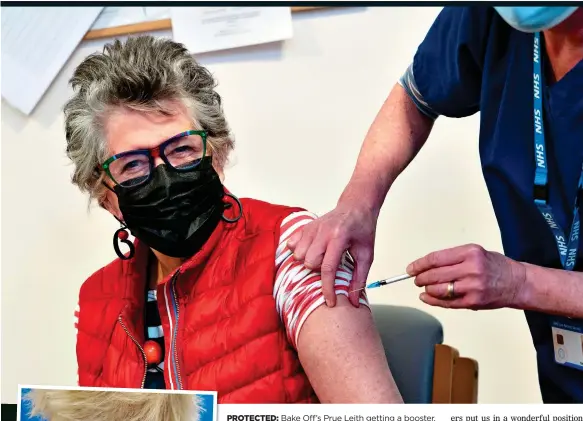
455	378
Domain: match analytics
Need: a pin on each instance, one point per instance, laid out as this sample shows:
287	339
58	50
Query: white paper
203	29
119	16
36	44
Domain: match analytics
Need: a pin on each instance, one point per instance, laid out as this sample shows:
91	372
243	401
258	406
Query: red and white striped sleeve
297	290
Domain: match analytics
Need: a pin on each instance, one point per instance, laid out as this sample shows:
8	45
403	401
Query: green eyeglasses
182	152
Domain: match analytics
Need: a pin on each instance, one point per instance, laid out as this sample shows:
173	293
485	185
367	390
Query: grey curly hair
91	405
146	74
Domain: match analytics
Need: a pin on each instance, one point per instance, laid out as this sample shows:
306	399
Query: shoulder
102	282
260	207
471	28
261	215
454	60
475	13
472	19
294	221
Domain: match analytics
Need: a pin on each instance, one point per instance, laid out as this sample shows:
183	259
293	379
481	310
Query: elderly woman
94	405
208	297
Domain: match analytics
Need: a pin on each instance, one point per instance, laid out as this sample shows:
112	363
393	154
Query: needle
385	282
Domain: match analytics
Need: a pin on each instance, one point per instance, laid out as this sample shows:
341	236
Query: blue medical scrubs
472	61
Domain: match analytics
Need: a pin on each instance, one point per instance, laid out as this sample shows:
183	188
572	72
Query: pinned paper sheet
204	29
119	16
36	44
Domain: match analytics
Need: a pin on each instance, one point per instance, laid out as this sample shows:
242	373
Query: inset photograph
52	403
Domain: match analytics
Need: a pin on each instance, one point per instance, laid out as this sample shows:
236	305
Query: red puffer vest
221	328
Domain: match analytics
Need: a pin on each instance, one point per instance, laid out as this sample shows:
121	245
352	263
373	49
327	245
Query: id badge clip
568	342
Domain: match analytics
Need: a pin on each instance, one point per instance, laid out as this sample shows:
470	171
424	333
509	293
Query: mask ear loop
230	205
121	235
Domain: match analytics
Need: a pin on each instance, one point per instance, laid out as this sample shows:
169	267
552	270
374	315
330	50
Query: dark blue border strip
343	4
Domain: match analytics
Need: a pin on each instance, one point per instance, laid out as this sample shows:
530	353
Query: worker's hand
482	279
322	243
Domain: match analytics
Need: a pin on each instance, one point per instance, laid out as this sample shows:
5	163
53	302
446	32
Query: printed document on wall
204	29
36	44
111	17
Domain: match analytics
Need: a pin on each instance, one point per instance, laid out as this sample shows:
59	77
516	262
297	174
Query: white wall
299	111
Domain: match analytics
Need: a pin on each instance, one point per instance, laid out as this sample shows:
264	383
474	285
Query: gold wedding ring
450	290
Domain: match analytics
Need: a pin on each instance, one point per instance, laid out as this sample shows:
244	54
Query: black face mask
174	212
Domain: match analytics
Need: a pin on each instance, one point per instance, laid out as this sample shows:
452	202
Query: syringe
384	282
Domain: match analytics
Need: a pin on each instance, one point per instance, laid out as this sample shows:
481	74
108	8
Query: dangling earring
230	205
121	235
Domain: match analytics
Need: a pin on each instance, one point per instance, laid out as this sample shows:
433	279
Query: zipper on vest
139	346
175	315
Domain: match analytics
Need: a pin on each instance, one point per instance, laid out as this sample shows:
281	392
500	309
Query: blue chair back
409	337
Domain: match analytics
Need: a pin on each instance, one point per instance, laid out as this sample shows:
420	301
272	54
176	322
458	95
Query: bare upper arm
341	351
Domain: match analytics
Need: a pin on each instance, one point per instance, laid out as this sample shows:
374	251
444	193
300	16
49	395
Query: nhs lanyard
567	247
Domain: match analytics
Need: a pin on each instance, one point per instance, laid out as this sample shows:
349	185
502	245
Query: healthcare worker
522	69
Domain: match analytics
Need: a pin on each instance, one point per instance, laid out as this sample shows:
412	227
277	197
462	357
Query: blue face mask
534	19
